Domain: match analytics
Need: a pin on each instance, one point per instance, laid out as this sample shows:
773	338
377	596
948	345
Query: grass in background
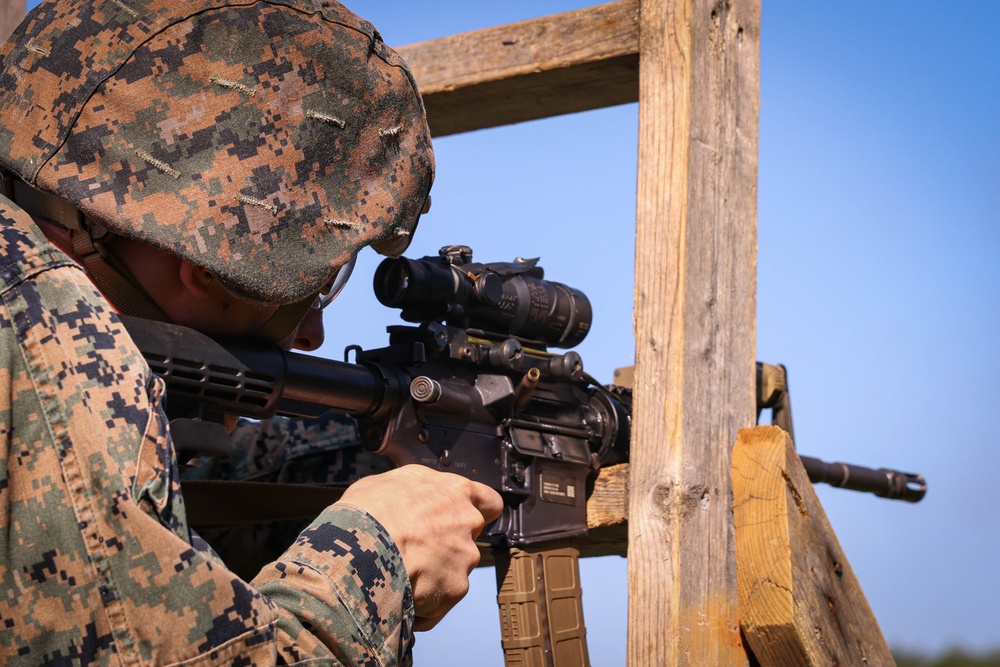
953	658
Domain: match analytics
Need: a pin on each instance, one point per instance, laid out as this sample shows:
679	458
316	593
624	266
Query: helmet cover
266	141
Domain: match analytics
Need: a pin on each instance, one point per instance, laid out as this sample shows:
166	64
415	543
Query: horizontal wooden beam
576	61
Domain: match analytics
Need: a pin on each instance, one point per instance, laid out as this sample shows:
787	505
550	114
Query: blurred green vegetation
952	658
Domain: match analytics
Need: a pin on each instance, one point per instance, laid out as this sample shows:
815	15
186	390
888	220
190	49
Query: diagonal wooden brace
799	601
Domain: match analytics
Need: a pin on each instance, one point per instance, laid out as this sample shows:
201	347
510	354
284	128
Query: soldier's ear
195	279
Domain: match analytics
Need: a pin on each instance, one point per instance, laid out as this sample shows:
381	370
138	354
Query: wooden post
695	324
11	13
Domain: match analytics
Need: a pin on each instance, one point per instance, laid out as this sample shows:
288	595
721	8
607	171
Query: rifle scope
511	299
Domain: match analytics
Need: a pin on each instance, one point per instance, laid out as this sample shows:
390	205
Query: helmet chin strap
85	236
110	276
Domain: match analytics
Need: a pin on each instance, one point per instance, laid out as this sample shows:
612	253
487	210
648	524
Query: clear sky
878	281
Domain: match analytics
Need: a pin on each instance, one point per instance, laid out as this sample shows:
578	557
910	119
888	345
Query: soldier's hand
434	518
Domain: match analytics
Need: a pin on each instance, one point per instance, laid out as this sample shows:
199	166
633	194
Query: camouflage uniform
270	165
325	450
97	563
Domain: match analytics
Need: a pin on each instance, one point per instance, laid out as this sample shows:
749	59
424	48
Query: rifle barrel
883	482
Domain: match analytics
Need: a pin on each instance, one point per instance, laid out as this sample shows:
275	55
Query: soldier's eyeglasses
336	286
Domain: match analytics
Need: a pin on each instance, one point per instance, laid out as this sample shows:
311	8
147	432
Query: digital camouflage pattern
324	450
267	141
97	563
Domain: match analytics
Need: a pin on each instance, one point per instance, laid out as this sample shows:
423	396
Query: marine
217	164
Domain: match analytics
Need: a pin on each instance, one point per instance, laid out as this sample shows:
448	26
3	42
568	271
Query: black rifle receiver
472	389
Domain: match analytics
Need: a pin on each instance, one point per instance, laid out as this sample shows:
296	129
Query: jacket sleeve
325	450
345	555
94	542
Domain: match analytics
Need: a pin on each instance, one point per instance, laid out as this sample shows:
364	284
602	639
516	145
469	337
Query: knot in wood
669	499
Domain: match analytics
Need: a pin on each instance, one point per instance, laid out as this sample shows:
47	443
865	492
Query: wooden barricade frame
694	68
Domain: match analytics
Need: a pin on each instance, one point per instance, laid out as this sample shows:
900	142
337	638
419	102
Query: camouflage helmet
267	141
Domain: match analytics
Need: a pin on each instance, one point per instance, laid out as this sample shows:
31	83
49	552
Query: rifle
773	393
472	388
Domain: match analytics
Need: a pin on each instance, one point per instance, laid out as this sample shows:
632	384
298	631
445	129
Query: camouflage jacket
97	563
325	450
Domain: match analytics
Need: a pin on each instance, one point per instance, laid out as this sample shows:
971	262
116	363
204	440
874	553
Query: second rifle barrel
882	482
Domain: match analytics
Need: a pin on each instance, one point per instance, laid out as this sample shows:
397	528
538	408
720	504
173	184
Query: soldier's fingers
486	500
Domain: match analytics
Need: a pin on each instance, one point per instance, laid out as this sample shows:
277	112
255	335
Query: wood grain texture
606	502
799	601
576	61
695	325
11	13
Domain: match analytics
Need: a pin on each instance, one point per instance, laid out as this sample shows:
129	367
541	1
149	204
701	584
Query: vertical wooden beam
695	324
11	13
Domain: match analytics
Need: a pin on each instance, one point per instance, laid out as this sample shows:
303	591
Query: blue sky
878	281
